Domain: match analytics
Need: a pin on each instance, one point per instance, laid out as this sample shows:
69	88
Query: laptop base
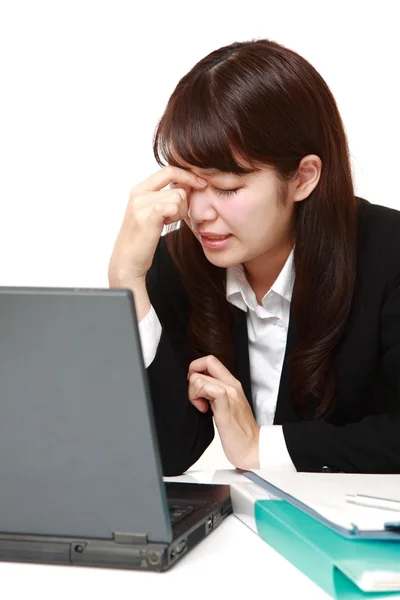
127	550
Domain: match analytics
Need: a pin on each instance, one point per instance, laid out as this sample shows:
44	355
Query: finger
214	392
235	396
168	175
178	195
195	383
172	205
201	405
213	367
197	379
181	200
202	376
149	197
166	209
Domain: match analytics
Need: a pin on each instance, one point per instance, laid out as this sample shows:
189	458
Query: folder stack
350	550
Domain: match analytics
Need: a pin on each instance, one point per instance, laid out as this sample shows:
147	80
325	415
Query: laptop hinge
130	538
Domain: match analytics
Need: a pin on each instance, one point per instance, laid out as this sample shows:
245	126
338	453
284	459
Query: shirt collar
239	292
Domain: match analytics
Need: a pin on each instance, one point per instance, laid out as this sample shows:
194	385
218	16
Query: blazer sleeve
371	445
183	432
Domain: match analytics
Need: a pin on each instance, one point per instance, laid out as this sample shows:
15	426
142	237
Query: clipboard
322	496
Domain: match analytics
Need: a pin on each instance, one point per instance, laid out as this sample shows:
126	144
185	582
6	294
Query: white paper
326	493
219	476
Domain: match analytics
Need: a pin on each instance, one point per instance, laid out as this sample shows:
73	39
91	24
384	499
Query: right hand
149	208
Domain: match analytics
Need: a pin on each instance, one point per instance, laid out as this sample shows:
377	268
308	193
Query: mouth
215	242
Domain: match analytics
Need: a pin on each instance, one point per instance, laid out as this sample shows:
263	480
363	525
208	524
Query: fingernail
202	181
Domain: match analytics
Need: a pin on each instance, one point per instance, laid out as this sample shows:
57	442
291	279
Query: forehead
208	172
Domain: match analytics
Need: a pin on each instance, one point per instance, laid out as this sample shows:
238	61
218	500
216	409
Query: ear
307	178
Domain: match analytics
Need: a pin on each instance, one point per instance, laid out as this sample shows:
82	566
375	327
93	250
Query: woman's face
248	208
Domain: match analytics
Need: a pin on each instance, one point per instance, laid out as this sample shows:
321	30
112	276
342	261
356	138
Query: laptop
80	472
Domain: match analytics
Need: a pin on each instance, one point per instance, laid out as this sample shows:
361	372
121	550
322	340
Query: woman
275	306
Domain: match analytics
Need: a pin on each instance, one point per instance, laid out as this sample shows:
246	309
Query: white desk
231	562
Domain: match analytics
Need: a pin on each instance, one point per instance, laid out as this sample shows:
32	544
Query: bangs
194	131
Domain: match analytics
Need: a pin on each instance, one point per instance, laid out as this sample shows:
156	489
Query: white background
84	82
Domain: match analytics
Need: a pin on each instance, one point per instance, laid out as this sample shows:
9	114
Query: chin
223	261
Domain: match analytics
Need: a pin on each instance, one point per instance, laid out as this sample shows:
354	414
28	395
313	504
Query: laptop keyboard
177	512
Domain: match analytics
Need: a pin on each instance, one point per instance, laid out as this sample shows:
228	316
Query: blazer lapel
241	341
284	411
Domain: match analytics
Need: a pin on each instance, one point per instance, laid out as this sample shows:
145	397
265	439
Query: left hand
211	384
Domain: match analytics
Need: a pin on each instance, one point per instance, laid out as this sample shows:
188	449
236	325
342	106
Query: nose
200	207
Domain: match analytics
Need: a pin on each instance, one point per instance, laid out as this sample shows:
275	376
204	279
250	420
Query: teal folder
337	564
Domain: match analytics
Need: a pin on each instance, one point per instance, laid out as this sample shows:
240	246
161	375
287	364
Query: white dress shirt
267	327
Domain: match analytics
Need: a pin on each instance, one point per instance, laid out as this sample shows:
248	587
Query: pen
373	502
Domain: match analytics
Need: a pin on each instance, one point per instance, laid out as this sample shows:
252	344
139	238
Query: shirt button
326	469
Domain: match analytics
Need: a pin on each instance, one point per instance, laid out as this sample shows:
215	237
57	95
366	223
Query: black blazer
363	432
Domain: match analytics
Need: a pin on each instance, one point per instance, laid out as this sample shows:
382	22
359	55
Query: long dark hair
263	102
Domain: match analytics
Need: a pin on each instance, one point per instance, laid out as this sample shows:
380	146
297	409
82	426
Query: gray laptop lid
78	455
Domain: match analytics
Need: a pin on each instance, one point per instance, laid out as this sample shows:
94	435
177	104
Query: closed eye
222	192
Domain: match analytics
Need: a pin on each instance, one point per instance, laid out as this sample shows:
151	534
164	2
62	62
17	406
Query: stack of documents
341	530
350	503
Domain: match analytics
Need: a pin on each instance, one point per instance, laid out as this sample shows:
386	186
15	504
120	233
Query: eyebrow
207	171
217	172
